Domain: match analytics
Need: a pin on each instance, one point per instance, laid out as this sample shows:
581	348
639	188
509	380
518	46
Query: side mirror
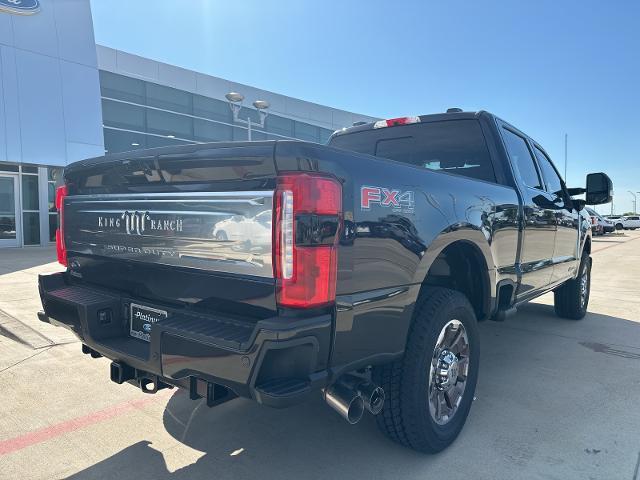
599	187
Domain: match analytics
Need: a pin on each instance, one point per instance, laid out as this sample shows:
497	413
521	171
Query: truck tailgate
178	227
214	231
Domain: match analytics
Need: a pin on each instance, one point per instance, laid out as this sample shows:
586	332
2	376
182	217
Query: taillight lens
61	250
308	210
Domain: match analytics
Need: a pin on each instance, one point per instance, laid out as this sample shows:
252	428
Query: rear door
565	254
540	223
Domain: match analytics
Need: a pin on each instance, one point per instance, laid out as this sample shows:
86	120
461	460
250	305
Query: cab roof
434	117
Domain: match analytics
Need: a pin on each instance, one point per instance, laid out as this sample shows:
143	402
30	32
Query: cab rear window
452	146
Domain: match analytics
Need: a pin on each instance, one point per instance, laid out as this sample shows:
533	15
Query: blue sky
548	67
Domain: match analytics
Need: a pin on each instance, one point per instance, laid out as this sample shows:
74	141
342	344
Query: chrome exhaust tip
373	397
346	401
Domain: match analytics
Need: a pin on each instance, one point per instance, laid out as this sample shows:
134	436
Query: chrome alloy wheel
584	285
448	372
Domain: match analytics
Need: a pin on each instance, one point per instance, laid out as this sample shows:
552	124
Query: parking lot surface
556	399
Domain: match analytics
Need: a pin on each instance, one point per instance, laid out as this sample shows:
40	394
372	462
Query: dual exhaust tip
350	396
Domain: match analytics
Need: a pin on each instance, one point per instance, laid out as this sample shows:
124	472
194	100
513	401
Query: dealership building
63	98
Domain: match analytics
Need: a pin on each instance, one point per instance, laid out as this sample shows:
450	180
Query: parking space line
615	244
38	436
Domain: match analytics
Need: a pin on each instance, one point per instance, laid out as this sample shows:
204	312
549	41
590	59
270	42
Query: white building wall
50	110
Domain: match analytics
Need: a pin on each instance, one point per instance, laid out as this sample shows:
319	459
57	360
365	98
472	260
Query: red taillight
306	269
61	250
392	122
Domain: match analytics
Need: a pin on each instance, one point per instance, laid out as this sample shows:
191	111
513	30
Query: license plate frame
141	318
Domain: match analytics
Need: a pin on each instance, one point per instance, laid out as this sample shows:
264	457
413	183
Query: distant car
608	225
631	222
616	220
599	224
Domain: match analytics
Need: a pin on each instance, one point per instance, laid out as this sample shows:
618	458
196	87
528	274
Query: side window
522	159
551	177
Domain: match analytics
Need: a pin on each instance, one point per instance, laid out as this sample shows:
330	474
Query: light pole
612	197
235	103
635	200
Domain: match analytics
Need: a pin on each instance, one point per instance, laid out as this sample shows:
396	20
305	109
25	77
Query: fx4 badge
397	200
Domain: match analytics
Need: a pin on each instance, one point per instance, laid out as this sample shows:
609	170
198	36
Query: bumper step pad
282	392
224	333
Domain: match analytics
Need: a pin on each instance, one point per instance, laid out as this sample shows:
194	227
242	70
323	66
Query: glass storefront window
30	209
258	135
168	98
169	124
307	132
54	179
30	192
249	112
325	134
211	108
204	131
118	141
54	175
8	168
121	87
279	125
53	225
31	228
7	227
240	134
123	115
7	209
153	141
51	196
183	126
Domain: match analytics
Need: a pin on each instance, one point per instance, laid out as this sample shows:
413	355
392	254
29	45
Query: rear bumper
277	362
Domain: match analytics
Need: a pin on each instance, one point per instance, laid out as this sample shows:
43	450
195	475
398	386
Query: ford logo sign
146	327
20	7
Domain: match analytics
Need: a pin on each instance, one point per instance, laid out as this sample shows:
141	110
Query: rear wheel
572	298
430	390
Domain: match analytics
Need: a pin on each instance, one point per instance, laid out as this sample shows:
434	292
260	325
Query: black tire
619	226
406	416
222	236
569	300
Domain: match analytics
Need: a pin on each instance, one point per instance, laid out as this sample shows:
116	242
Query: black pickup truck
357	270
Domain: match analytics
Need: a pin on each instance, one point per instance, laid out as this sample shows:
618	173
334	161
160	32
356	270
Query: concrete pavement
555	399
